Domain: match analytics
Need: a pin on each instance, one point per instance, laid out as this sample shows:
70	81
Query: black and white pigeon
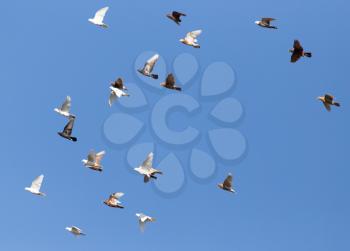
170	83
117	91
176	16
265	22
148	67
67	131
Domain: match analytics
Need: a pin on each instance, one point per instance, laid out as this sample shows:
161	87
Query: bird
170	83
328	101
113	200
67	131
148	67
147	170
117	91
265	22
227	185
94	160
75	230
191	38
176	16
143	219
98	18
36	185
65	107
298	51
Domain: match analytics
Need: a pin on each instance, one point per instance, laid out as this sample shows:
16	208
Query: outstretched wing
69	127
177	14
100	14
112	98
118	84
92	157
192	36
329	98
267	20
228	181
66	105
147	164
297	45
150	63
117	195
99	156
76	230
170	80
36	184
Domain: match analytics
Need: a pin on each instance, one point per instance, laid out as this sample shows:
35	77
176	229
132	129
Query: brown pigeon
170	83
328	101
176	16
298	52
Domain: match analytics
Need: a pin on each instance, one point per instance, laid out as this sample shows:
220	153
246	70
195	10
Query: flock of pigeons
118	90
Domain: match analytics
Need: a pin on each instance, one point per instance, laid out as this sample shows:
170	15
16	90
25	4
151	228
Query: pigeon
98	18
176	16
191	38
170	83
35	186
67	131
75	230
113	200
298	52
328	101
227	185
265	22
93	160
147	170
65	107
117	91
148	67
143	219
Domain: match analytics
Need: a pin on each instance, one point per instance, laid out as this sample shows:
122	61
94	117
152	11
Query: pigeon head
257	22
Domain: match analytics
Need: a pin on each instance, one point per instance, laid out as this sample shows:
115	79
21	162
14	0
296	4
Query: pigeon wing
117	195
36	184
92	157
99	156
112	98
170	80
66	105
147	164
267	20
118	84
100	14
228	181
177	14
69	127
151	62
76	230
328	98
295	56
297	45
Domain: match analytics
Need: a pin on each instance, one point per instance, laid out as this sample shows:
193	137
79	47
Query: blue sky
292	182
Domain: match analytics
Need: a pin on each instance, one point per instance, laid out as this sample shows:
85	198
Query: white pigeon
94	160
147	170
65	107
143	219
75	230
115	93
98	18
35	187
148	67
191	38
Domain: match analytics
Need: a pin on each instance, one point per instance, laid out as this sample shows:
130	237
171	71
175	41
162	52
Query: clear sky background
293	184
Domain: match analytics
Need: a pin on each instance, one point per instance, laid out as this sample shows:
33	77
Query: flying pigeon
75	230
148	67
328	101
94	160
143	219
147	170
117	91
191	38
227	185
65	107
170	83
265	22
298	52
35	187
113	200
67	131
176	16
98	18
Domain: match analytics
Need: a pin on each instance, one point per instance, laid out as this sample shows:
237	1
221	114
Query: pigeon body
113	200
191	38
65	107
227	184
67	131
147	170
143	219
94	161
170	83
328	101
119	84
265	22
298	52
75	230
148	67
36	185
176	16
116	93
98	18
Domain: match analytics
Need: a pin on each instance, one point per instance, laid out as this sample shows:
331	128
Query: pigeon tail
308	54
336	104
273	27
177	88
74	139
155	76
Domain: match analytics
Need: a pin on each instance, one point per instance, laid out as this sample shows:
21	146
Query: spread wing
112	98
100	14
118	84
148	161
329	98
267	20
69	127
170	80
99	156
92	157
177	14
36	184
66	105
117	195
295	56
151	62
297	45
76	229
327	106
228	181
192	36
